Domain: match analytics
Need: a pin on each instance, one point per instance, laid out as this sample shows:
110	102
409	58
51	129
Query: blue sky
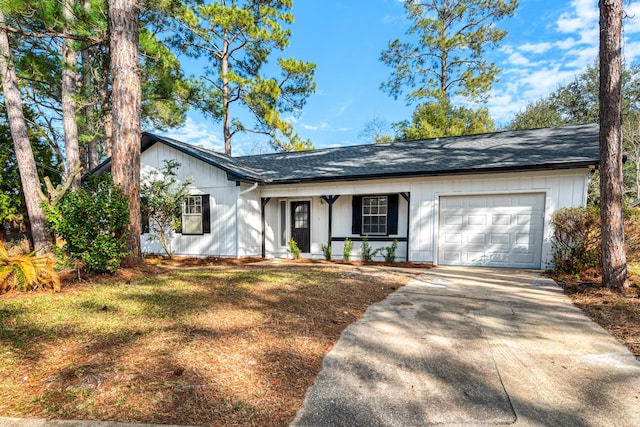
549	42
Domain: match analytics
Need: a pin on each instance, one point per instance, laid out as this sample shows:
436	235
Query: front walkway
464	346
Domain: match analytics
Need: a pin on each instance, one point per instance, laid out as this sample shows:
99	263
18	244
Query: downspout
253	187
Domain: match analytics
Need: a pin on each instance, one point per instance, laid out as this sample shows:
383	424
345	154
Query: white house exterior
483	200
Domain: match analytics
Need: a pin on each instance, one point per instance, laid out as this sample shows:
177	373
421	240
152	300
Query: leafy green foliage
578	102
92	221
24	272
447	54
162	194
294	250
366	251
326	250
439	119
389	252
166	92
12	205
237	39
346	251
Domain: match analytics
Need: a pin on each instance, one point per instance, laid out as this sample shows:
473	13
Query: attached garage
499	230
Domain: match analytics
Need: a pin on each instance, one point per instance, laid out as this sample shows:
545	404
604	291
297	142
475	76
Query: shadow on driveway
468	346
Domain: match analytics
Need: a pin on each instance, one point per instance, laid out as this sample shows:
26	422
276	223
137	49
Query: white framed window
374	214
192	215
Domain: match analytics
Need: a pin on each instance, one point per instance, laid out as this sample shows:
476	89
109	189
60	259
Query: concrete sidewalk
475	346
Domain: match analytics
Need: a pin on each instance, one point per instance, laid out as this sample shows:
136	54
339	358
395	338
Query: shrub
294	249
389	252
92	222
326	250
366	251
162	196
346	251
27	271
576	239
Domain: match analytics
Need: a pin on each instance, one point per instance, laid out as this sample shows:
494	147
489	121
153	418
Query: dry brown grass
617	312
206	345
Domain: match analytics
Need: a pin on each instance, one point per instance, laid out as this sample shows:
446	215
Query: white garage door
502	230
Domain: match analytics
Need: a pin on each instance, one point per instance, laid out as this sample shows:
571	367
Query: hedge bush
576	240
92	222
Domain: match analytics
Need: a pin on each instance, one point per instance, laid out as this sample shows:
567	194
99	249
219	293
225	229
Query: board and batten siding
561	188
223	198
274	226
320	215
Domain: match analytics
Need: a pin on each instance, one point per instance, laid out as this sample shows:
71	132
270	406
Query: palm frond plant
24	272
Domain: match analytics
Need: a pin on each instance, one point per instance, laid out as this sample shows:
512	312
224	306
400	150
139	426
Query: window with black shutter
375	215
195	217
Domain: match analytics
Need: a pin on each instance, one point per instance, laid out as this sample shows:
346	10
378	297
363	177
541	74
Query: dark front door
301	225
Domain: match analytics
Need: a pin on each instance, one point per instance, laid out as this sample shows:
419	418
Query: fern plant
25	272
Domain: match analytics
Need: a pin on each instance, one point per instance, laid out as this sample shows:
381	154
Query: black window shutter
356	215
206	214
144	215
392	215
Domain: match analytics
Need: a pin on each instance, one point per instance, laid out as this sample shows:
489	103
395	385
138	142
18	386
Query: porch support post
407	197
330	200
263	216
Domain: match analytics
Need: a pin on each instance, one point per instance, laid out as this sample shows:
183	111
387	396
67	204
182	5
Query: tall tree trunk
106	114
614	265
21	144
69	86
124	16
226	95
92	153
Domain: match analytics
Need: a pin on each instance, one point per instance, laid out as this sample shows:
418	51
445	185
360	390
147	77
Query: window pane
191	224
192	215
374	215
283	223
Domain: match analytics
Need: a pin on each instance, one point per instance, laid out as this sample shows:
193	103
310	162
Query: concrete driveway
463	346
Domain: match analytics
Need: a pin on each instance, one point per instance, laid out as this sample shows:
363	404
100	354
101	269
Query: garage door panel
501	219
503	230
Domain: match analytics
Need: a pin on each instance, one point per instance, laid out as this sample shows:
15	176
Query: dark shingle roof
537	149
236	169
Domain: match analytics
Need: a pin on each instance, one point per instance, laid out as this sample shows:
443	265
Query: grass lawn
212	345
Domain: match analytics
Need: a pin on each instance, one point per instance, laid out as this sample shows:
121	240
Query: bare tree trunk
226	95
124	16
107	118
614	265
92	153
21	144
69	86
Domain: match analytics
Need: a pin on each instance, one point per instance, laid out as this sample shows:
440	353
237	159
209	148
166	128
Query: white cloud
632	21
632	51
198	134
584	16
517	59
536	48
322	125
